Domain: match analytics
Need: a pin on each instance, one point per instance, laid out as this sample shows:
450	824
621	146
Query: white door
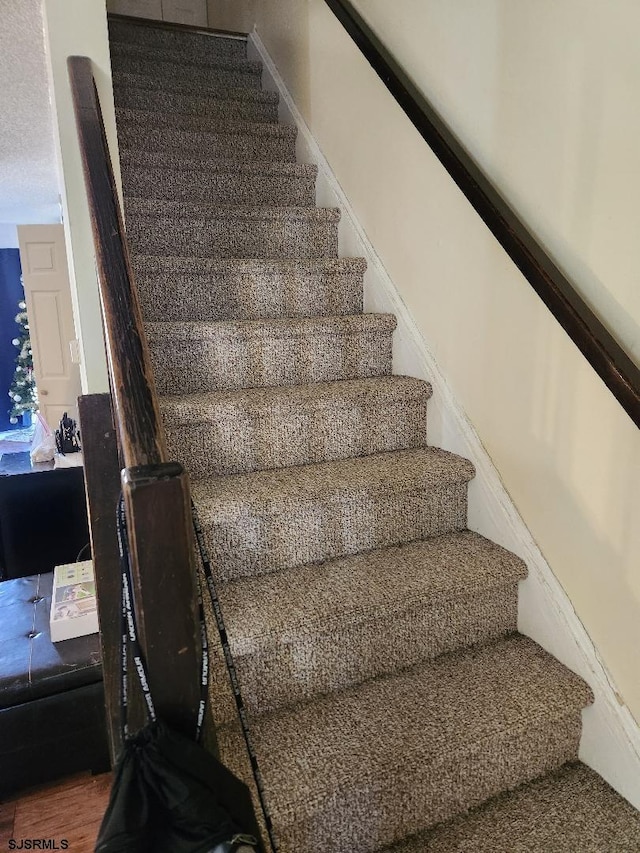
192	12
48	297
137	8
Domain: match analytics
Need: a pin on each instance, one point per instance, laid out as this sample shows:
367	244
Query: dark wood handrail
619	373
140	431
156	492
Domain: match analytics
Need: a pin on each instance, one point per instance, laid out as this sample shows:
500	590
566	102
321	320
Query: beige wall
545	96
567	453
231	15
79	27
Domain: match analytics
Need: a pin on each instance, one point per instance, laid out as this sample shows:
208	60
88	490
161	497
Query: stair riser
212	85
223	84
244	541
226	237
220	188
367	823
191	296
143	39
237	441
210	365
123	51
309	665
154	121
174	144
164	74
222	109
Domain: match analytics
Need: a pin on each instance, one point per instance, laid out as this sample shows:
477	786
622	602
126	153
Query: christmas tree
23	392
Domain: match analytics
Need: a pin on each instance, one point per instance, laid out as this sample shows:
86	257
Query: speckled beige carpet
392	703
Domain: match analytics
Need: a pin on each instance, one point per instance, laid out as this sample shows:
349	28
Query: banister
156	491
140	432
603	352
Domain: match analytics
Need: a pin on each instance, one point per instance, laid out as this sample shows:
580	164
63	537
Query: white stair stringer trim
610	741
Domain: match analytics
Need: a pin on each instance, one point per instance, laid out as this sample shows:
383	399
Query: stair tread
276	426
194	211
173	288
143	35
123	49
135	118
153	163
128	116
273	608
254	266
214	354
198	142
313	629
196	408
399	737
228	183
230	93
226	104
279	327
155	62
571	810
397	471
222	83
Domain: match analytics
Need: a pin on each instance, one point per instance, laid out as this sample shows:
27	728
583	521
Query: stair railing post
102	487
158	510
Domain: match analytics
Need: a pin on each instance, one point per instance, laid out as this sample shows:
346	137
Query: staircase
393	704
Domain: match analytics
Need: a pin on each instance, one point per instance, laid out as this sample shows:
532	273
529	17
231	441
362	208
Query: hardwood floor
70	810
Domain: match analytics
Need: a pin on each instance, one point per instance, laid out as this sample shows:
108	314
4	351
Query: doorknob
43	392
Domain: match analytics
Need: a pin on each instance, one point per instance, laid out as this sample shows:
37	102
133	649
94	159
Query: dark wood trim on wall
603	352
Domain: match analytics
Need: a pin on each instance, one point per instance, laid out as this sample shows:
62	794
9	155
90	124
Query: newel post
158	509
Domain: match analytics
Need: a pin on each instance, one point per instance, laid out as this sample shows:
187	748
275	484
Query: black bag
170	795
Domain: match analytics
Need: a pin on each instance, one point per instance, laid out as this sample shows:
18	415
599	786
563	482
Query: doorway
11	294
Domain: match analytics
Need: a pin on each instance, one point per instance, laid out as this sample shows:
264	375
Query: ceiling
29	188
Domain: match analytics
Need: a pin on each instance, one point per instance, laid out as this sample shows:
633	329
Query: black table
43	516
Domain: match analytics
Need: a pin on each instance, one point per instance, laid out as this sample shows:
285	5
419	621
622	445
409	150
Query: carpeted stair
393	704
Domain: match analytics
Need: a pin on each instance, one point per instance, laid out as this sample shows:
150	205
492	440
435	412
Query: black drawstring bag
169	794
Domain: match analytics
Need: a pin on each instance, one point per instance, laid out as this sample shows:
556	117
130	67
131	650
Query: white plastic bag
43	446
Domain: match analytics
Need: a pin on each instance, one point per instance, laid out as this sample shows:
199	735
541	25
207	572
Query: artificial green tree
23	391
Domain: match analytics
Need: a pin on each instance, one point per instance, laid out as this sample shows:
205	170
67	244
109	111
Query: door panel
48	297
192	12
137	8
46	317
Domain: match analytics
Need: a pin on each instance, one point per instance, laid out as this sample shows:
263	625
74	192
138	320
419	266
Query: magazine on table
74	611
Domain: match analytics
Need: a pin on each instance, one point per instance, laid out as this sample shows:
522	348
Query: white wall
28	170
566	452
79	27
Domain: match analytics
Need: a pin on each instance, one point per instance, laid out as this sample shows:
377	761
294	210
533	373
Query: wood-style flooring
70	810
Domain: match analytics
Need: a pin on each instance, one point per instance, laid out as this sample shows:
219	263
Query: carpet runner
393	704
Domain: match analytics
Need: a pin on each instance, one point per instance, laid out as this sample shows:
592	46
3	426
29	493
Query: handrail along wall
619	373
